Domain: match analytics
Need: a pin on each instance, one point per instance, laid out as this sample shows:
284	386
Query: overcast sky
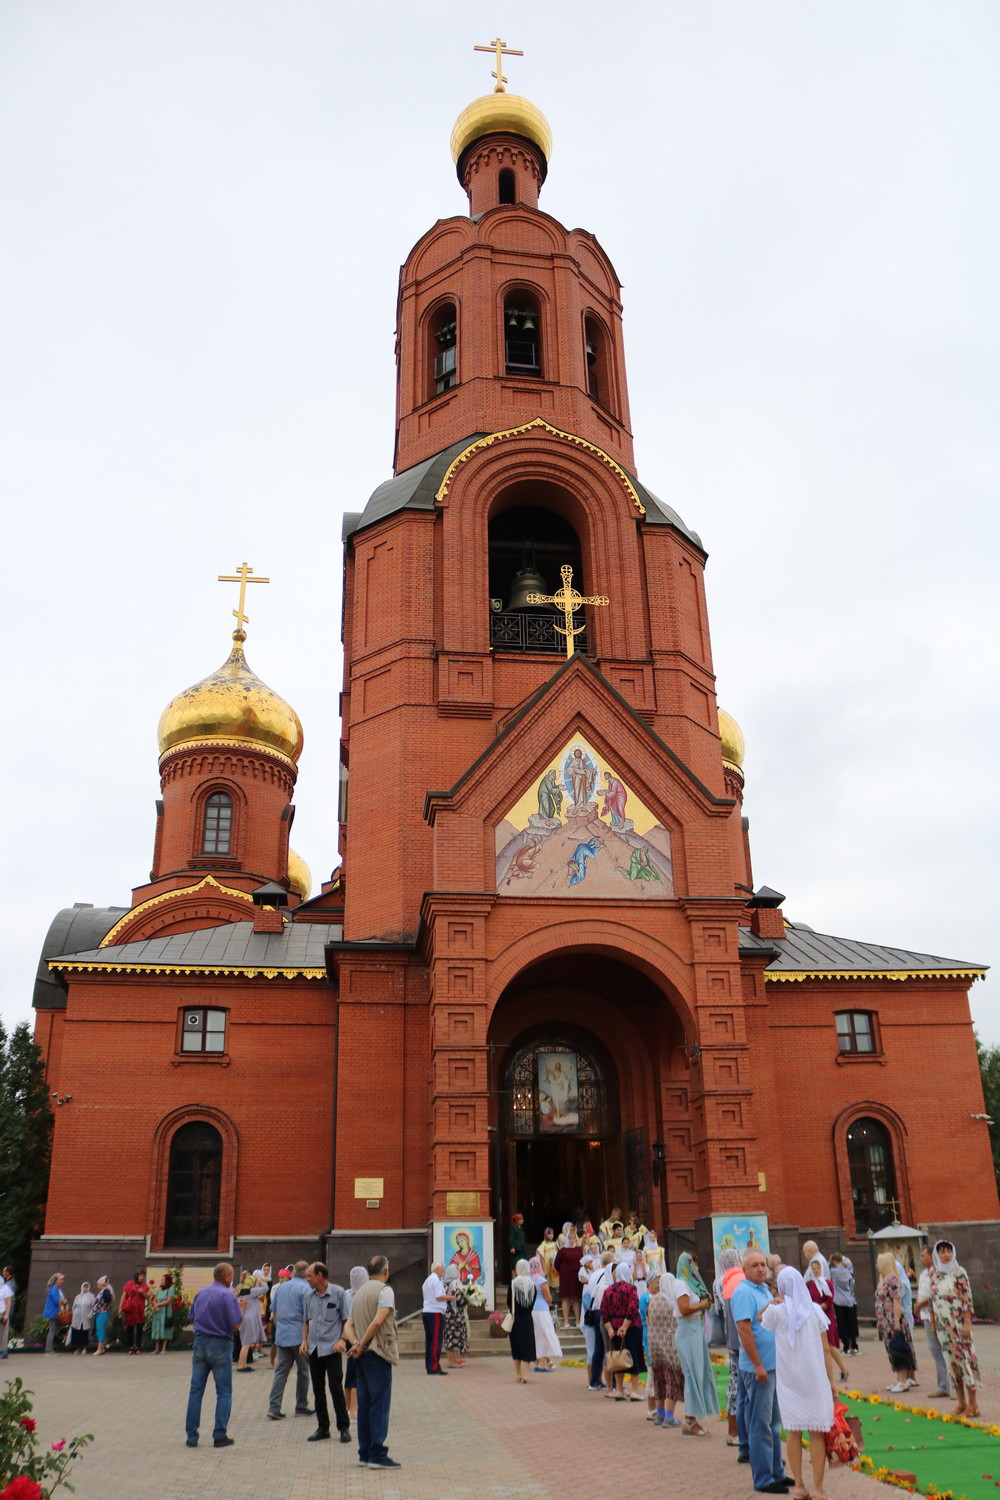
205	208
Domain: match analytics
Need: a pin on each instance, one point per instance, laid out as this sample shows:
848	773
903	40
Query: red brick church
542	978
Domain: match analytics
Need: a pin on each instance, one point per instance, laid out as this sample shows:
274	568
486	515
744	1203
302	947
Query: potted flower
475	1300
495	1321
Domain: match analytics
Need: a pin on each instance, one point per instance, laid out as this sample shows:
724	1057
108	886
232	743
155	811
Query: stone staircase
483	1342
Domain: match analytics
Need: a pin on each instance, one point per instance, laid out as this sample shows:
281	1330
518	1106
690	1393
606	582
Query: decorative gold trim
246	973
184	890
224	742
799	975
556	432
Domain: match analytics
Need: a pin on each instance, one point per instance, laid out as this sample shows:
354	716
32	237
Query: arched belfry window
528	546
554	1088
522	333
508	186
193	1186
873	1175
217	833
595	348
442	349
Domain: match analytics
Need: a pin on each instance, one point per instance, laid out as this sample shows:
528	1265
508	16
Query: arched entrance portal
582	1046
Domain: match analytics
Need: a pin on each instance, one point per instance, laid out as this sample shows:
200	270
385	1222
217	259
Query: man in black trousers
323	1340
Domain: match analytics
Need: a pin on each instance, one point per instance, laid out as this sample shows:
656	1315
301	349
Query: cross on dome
502	50
242	577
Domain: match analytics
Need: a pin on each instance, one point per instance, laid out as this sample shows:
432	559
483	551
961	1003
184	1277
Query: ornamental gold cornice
799	975
481	444
237	972
207	884
223	742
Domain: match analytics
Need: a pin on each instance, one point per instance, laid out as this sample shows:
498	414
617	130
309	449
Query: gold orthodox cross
502	50
569	600
242	577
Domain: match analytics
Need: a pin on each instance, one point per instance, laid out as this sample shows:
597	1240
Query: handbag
508	1322
618	1361
64	1317
898	1348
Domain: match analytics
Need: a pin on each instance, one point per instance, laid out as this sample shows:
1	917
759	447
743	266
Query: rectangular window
203	1031
855	1031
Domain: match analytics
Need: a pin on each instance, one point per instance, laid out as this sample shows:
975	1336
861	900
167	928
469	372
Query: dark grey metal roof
803	952
232	946
79	926
415	489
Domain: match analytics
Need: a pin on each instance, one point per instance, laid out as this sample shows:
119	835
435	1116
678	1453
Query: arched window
556	1089
522	336
595	346
442	350
193	1184
873	1175
528	545
218	832
508	186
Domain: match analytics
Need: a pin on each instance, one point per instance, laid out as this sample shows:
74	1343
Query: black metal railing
515	630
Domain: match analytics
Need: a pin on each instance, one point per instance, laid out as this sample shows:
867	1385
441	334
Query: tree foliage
989	1070
25	1145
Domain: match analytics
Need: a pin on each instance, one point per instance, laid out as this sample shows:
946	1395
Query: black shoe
276	1416
383	1463
318	1436
743	1458
305	1411
226	1442
345	1437
192	1442
437	1372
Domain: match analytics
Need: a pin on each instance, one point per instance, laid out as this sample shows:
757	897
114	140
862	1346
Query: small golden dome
299	875
231	705
501	112
733	744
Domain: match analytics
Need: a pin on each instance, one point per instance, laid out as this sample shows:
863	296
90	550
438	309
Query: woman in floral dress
951	1320
666	1378
455	1341
890	1321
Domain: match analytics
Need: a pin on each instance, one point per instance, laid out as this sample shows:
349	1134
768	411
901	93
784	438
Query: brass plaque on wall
369	1187
462	1205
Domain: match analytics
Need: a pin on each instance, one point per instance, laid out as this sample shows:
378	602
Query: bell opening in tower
442	350
528	544
522	342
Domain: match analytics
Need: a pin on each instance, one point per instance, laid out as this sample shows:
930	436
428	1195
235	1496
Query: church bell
526	581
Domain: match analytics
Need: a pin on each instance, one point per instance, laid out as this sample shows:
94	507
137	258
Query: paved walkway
479	1436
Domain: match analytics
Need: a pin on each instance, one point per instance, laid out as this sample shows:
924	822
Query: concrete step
484	1343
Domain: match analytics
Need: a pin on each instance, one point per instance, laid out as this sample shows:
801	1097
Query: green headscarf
687	1273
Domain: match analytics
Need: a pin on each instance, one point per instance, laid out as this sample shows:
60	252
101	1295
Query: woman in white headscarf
951	1320
358	1278
805	1393
455	1341
83	1307
520	1302
819	1285
666	1377
251	1294
547	1346
103	1303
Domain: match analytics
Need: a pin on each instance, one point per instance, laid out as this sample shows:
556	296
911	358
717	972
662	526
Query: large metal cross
569	600
242	577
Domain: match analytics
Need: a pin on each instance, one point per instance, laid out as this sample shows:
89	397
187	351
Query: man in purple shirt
216	1314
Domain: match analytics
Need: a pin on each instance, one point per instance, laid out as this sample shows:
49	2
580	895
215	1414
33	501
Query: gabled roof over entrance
805	954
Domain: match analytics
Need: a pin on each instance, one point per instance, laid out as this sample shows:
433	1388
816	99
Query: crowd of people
788	1334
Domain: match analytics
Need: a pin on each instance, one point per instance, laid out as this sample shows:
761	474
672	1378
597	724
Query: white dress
547	1345
804	1395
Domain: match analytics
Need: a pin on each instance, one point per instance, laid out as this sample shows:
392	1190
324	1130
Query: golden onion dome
299	875
733	744
234	706
501	112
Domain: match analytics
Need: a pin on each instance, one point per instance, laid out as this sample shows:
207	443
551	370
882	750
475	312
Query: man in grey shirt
323	1341
288	1309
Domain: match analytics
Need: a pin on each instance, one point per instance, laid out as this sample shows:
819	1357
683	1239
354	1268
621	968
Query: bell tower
531	752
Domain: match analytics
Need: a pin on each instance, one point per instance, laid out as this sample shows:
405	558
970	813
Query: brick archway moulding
658	962
865	1109
163	1135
